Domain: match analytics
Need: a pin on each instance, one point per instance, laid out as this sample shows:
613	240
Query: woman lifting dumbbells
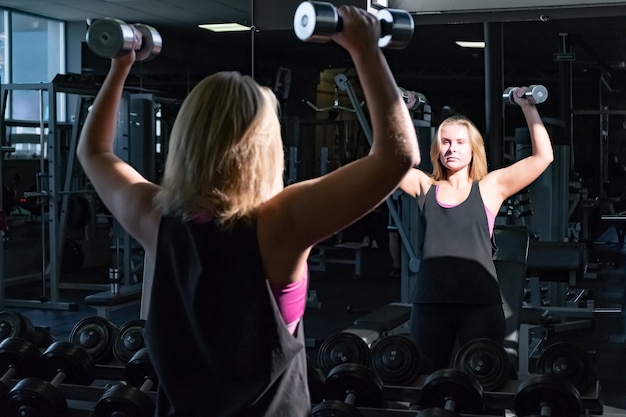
227	242
457	297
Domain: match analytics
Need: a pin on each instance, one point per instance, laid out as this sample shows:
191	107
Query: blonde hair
478	164
225	152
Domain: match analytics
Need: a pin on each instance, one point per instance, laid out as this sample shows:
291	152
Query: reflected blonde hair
225	153
478	164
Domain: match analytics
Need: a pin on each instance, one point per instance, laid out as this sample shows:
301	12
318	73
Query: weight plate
124	400
396	359
342	348
129	340
315	21
456	385
13	324
538	393
538	93
396	28
357	379
569	361
109	37
96	335
74	361
485	360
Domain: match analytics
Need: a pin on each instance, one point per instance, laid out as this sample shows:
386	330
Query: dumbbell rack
81	400
502	399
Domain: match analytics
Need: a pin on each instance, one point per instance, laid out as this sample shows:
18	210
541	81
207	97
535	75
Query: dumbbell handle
350	398
58	379
450	404
147	385
385	27
8	375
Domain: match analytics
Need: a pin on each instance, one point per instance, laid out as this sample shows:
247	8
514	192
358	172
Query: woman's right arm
312	210
415	183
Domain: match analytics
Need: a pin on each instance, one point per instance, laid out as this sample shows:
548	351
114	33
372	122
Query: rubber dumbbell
61	362
570	361
451	392
18	359
535	94
396	359
130	399
317	21
129	340
348	386
109	37
547	396
13	324
96	335
340	348
486	360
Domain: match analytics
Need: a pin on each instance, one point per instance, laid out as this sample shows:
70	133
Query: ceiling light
225	27
471	44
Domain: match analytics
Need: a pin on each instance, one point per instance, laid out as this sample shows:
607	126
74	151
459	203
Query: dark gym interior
67	268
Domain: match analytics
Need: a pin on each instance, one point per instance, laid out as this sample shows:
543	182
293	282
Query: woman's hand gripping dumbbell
317	21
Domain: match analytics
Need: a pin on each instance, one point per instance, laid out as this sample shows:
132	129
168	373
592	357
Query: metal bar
344	84
40	189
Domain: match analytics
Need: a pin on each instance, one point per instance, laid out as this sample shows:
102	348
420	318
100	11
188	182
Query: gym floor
342	298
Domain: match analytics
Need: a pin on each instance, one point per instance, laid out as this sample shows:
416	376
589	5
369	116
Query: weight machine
58	180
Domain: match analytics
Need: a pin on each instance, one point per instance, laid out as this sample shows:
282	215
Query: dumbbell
485	360
130	399
340	348
18	359
348	386
109	37
535	94
13	324
129	340
449	392
61	362
96	335
317	21
396	359
570	361
547	396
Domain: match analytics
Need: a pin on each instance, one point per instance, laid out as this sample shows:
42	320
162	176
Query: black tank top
457	253
214	332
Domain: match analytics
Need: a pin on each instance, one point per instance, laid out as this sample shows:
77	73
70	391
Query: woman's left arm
511	179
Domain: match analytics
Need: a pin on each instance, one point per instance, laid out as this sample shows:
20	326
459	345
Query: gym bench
390	319
558	264
319	259
105	302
